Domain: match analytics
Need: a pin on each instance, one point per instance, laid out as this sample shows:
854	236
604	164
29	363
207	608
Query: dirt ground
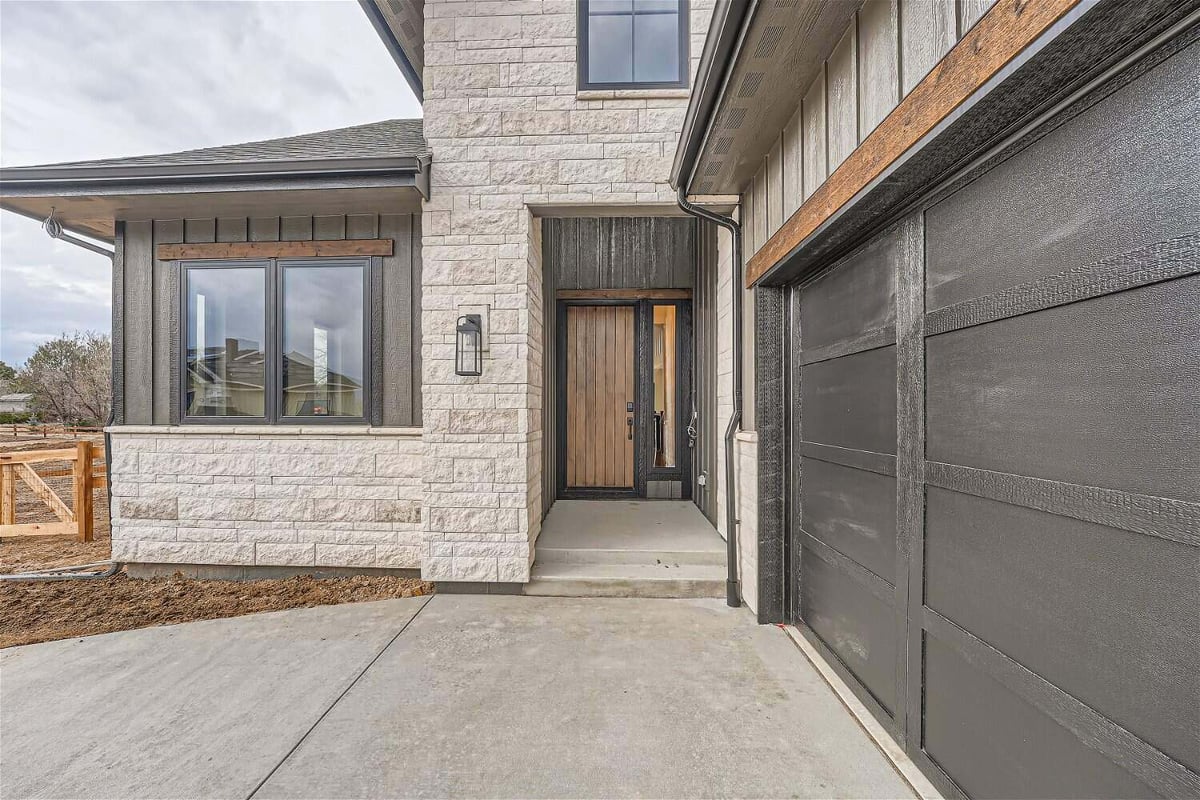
39	612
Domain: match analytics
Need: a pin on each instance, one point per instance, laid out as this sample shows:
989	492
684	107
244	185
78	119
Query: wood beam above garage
999	37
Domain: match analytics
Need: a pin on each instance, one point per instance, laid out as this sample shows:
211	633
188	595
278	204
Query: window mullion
275	337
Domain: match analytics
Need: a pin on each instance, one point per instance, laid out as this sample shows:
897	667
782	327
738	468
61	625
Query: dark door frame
643	379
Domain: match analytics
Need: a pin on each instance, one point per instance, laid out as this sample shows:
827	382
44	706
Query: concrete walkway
454	696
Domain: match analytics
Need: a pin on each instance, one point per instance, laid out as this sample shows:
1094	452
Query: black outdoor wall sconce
468	346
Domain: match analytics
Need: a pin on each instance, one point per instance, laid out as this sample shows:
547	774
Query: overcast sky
82	80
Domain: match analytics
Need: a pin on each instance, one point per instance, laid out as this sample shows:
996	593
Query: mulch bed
44	611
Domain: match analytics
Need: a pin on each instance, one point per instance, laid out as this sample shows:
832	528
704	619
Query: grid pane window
634	43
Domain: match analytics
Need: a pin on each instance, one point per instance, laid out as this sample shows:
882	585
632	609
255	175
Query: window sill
633	94
263	430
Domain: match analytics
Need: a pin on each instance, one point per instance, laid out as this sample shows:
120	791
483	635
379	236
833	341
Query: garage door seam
338	699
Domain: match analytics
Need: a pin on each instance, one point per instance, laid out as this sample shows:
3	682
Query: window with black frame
632	44
275	341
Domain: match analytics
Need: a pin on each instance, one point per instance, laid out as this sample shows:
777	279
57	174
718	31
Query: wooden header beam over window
1007	29
309	249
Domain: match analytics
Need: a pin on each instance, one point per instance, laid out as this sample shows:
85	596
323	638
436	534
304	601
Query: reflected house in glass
226	380
316	391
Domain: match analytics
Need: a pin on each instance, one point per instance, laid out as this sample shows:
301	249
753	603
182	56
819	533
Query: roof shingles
393	138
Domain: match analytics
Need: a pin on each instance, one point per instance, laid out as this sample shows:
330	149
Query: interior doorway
624	398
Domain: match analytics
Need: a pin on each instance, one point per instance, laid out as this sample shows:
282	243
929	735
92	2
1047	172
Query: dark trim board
623	294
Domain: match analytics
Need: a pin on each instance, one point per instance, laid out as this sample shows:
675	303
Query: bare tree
70	378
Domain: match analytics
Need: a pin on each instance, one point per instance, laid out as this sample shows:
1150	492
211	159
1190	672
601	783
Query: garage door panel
855	624
851	401
858	295
1101	392
853	511
1122	175
994	743
1109	616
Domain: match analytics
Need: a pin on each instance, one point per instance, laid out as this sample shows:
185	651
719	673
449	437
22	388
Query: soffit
786	42
93	215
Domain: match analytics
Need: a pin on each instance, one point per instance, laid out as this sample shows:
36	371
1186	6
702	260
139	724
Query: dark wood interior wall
620	252
704	313
549	374
148	289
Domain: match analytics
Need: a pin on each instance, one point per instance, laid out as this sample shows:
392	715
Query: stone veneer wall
267	496
747	501
510	134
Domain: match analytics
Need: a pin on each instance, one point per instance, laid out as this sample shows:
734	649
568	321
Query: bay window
275	341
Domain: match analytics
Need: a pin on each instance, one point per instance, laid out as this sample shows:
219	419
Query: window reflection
665	378
323	373
225	362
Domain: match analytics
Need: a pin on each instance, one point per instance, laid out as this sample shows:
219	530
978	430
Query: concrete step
649	558
625	580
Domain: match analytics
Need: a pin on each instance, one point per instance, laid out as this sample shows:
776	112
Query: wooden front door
599	389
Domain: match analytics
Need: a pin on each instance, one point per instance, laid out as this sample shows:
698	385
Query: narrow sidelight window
666	367
275	341
632	44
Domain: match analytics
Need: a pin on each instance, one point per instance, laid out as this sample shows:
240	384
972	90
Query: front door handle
629	426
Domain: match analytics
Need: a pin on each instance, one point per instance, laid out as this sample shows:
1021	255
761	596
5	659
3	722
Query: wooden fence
77	519
47	429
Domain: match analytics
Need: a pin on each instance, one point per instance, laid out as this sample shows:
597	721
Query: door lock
629	408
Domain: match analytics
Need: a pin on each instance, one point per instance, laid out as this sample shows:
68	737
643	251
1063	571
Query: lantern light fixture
468	346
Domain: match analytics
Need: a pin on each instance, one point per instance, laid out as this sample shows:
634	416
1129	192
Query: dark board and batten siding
620	252
146	306
998	530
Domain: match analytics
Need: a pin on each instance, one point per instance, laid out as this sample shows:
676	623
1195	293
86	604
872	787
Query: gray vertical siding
138	341
885	51
165	323
146	310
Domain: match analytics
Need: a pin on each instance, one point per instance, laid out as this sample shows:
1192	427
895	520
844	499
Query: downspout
54	230
735	419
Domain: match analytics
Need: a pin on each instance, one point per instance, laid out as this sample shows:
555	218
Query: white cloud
82	80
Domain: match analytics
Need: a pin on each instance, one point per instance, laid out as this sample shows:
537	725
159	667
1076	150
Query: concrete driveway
454	696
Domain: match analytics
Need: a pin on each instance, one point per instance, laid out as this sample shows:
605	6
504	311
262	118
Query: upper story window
632	44
275	341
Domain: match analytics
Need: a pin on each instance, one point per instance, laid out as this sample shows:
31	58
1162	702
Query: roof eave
99	175
394	48
720	46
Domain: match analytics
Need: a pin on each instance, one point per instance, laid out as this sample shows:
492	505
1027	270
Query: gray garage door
998	431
